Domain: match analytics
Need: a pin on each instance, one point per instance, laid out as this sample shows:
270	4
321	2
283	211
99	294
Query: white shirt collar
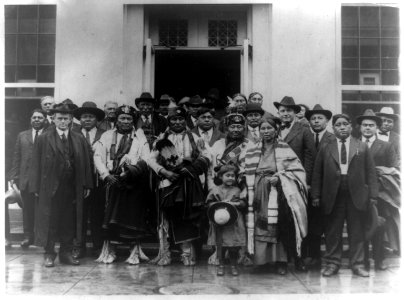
60	132
371	139
320	134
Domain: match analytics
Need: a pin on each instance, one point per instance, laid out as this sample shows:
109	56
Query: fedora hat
288	102
69	102
145	97
369	115
62	108
318	109
387	112
195	101
373	221
89	107
253	107
222	213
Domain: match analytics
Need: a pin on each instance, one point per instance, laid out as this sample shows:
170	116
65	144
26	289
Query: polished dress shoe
220	270
281	268
330	270
381	265
300	265
234	270
49	261
26	243
360	271
68	259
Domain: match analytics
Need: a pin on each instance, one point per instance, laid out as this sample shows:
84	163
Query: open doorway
182	73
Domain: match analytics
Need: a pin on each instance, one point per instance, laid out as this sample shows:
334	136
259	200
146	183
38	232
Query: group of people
260	189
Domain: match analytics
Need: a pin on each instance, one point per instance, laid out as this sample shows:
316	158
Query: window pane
46	45
389	63
389	17
350	63
350	47
390	96
369	48
390	77
350	95
10	92
10	73
390	32
369	17
46	74
27	49
11	49
370	63
26	74
370	96
47	18
390	47
349	16
28	19
10	17
350	77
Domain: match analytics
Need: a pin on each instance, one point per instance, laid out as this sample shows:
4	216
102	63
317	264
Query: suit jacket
216	135
300	139
22	159
361	174
394	138
383	154
104	125
98	134
159	123
327	138
45	175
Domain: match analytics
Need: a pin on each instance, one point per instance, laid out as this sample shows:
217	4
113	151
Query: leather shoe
220	270
381	265
26	243
281	268
330	270
300	265
79	253
234	271
360	271
49	261
68	259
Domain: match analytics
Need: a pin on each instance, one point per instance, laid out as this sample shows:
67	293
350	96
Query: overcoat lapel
28	136
375	147
292	133
334	151
353	147
215	137
98	134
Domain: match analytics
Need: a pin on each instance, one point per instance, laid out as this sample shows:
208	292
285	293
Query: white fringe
107	255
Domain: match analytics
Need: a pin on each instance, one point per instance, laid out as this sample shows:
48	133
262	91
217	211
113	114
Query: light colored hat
222	213
387	112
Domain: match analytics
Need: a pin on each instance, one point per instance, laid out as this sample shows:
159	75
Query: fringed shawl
293	181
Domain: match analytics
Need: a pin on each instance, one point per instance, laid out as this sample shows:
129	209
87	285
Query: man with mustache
19	173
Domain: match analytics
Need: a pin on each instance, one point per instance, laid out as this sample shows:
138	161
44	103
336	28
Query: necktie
36	135
88	137
122	142
317	140
64	139
368	142
343	152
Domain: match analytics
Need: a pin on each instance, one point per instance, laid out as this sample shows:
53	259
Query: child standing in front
233	237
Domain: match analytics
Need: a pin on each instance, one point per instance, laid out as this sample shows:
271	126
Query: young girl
233	236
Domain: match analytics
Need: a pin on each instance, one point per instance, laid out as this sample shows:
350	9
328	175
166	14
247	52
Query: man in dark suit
93	205
148	119
19	173
344	182
383	154
385	132
61	176
300	139
205	127
108	122
47	104
193	105
253	114
318	119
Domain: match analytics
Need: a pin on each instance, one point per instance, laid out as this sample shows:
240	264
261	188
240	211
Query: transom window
222	33
173	33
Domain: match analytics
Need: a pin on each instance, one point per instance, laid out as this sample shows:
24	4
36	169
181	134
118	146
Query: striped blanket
293	181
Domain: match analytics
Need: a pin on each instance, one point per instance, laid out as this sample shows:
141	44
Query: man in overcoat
61	176
19	173
344	182
205	126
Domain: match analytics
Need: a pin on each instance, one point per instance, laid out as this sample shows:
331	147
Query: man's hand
273	180
169	175
86	193
315	202
111	180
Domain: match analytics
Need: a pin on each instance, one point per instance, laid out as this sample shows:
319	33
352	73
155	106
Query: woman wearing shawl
277	191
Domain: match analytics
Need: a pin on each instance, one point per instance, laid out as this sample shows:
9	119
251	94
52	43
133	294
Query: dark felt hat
235	118
164	99
318	109
62	108
70	103
222	213
195	101
387	112
145	97
253	107
373	221
125	109
369	115
89	107
288	102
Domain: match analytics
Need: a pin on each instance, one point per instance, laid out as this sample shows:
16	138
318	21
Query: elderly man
383	155
385	132
119	157
344	183
148	119
47	104
205	126
61	176
93	209
19	173
181	161
253	114
110	116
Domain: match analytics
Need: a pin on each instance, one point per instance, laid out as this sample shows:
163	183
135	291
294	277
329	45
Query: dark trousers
62	225
28	213
344	209
315	231
377	246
